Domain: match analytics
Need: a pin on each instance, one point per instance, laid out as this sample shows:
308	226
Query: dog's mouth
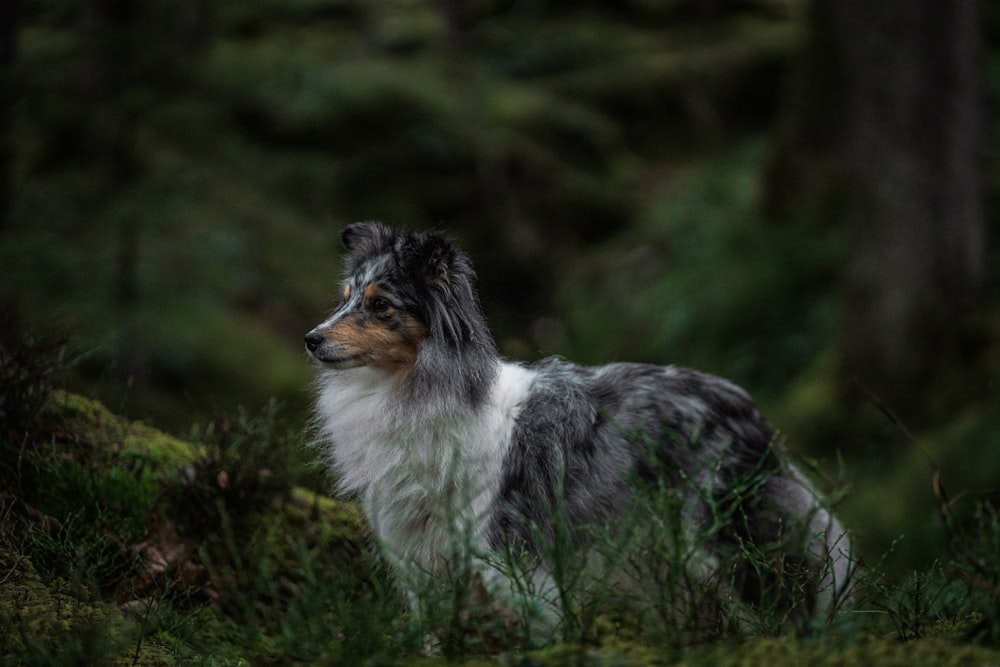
344	363
336	362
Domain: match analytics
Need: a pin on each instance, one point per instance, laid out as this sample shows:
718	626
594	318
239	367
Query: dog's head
402	290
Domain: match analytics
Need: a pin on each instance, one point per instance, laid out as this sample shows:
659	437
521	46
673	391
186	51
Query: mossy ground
213	577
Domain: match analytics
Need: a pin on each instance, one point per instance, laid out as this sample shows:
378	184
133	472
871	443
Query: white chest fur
425	475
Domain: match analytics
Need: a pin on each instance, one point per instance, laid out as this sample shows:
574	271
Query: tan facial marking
378	343
415	330
348	335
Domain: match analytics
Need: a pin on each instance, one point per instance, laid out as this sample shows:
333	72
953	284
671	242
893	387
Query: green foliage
29	366
144	550
248	460
702	271
180	216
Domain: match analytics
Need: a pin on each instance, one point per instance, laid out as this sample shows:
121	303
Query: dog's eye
378	305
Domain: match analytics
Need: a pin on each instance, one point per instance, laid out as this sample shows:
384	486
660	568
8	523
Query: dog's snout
313	340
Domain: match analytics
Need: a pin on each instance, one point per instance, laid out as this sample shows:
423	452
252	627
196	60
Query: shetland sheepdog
456	453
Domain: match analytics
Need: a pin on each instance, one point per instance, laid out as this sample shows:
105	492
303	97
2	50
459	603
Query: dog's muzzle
321	350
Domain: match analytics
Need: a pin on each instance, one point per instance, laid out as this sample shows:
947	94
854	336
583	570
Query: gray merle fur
590	439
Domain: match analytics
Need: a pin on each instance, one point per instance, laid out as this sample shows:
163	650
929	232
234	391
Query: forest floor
122	545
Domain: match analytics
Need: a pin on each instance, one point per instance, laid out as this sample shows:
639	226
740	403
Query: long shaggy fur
452	450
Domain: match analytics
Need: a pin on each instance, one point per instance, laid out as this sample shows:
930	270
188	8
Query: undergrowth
110	554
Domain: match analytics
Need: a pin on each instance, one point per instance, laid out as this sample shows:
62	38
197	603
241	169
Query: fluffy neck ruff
425	473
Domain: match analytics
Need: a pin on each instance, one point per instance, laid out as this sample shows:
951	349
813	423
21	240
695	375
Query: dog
456	454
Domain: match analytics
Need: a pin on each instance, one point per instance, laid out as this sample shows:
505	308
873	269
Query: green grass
123	546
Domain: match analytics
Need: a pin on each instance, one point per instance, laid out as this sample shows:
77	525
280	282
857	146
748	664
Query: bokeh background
799	195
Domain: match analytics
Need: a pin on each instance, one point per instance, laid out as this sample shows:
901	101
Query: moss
60	623
616	653
305	525
766	652
794	651
86	420
343	518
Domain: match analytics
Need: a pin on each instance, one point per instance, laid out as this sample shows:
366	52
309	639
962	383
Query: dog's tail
827	545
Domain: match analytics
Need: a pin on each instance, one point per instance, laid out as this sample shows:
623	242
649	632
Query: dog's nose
313	340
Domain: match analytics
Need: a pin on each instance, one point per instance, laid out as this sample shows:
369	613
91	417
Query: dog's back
626	443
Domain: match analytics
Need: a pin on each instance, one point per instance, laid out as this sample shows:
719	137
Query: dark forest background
800	195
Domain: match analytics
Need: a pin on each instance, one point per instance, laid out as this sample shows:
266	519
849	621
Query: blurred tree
132	61
8	34
882	135
109	33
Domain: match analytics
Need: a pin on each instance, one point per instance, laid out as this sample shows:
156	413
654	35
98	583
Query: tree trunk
109	32
8	37
884	136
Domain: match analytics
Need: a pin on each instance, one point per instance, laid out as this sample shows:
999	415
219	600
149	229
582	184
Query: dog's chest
427	480
430	488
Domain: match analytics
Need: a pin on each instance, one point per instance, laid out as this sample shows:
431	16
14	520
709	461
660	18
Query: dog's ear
365	236
453	311
438	261
431	257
